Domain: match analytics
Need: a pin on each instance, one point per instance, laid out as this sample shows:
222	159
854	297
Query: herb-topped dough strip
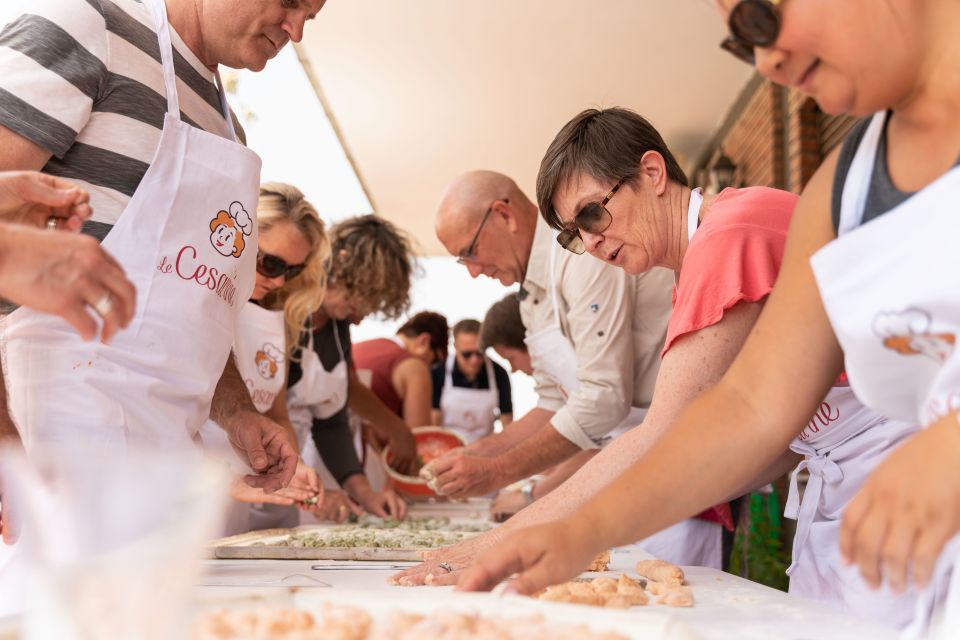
414	533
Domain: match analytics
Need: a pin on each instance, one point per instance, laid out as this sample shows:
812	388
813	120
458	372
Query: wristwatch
527	490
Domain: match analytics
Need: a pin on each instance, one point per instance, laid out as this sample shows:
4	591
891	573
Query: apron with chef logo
843	443
259	350
888	301
188	242
691	542
469	412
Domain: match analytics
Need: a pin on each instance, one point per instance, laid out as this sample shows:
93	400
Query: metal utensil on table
361	567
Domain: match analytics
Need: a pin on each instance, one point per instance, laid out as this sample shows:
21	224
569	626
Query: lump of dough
661	571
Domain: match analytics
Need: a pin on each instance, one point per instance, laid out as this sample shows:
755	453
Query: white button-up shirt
616	323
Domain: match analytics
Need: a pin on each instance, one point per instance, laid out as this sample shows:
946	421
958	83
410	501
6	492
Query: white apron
151	387
843	443
188	241
317	394
469	412
691	542
887	288
259	349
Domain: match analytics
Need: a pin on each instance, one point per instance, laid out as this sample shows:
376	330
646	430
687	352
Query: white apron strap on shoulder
855	190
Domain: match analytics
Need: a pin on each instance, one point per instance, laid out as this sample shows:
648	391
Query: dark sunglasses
471	354
753	23
592	218
271	266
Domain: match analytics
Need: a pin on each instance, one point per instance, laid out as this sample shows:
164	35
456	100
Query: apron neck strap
166	56
853	199
491	377
448	375
165	40
336	338
693	212
553	280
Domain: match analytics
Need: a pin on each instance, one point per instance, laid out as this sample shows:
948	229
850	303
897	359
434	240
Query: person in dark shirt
470	391
370	272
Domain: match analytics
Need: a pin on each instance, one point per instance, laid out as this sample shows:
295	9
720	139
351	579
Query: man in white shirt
593	331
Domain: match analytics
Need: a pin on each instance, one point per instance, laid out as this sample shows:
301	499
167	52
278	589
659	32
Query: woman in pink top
611	187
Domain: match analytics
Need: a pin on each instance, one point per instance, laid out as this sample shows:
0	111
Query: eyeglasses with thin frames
469	255
593	217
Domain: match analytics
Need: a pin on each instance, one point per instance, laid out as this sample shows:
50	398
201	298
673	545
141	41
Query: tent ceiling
425	89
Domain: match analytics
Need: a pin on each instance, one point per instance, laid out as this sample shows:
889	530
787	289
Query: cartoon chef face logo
908	333
229	230
268	360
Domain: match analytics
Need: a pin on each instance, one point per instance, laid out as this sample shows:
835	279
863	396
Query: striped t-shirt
83	79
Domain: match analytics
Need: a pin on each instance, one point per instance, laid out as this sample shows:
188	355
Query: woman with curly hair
371	268
290	282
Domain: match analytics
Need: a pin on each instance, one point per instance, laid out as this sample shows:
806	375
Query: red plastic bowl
432	442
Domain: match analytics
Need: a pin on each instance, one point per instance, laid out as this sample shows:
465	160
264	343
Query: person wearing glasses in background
399	367
292	252
470	392
593	334
868	284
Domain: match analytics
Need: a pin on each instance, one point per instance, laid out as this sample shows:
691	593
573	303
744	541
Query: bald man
593	333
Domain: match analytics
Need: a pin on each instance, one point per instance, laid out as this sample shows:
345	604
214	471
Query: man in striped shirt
82	97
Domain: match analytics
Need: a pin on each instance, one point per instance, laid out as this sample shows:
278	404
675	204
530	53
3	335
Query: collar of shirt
458	376
538	266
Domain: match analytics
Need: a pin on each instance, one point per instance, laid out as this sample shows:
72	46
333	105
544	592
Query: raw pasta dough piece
661	571
677	597
601	562
631	591
605	585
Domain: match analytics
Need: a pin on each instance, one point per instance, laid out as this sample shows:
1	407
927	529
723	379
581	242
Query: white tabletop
727	607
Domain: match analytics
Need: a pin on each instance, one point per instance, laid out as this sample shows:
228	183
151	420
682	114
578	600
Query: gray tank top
882	195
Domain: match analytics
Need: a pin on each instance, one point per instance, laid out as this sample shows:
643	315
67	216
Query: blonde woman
290	283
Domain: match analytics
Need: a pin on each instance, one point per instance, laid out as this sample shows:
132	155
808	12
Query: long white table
727	607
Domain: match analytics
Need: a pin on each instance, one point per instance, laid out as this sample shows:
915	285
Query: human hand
540	556
265	446
242	492
459	475
305	487
67	275
384	504
34	198
336	506
906	511
403	446
507	503
456	559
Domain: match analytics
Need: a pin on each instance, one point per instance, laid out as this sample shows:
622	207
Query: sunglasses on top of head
753	23
593	217
271	266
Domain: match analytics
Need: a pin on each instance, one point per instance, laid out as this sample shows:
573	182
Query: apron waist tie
821	469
